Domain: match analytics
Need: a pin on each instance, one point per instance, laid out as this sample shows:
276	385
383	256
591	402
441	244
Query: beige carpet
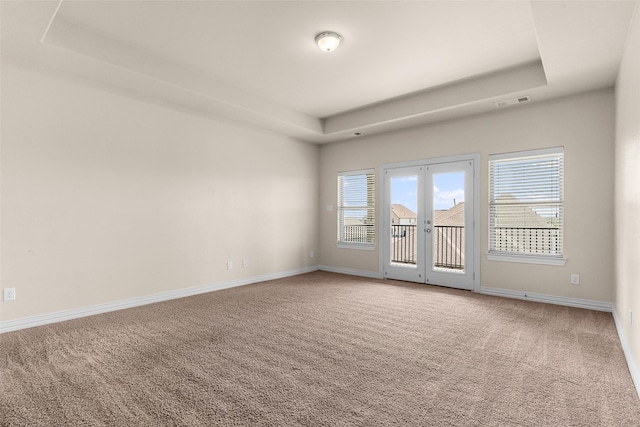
322	349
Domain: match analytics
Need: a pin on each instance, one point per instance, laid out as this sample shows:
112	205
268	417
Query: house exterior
450	217
448	237
402	215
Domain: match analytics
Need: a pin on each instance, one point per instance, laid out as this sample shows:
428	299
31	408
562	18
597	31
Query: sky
447	187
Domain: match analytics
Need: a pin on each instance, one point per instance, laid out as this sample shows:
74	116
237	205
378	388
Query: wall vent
513	101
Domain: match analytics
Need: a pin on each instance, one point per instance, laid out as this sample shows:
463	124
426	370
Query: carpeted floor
322	349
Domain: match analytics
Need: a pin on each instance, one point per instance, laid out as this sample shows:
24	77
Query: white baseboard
551	299
60	316
631	363
351	272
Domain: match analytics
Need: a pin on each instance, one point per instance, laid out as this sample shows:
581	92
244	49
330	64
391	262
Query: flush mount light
328	40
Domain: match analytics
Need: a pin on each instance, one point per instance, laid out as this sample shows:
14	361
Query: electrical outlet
575	279
229	265
9	294
311	254
245	263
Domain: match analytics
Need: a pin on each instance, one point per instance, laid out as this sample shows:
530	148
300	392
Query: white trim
550	299
475	157
527	259
60	316
351	272
425	162
626	349
528	153
362	246
477	192
370	171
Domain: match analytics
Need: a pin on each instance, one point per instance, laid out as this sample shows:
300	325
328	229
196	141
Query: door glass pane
448	231
404	210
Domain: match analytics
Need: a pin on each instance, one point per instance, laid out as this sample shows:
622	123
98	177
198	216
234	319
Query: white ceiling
401	63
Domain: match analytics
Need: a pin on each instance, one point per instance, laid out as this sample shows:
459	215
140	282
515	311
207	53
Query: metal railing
403	244
448	245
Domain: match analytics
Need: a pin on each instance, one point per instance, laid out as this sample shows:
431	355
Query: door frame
475	158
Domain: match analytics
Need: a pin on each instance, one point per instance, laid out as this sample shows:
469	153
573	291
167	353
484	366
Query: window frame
370	175
523	257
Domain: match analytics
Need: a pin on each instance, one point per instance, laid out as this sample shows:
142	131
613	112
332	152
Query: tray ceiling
400	63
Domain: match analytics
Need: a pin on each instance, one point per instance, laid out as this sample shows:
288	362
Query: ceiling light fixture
328	40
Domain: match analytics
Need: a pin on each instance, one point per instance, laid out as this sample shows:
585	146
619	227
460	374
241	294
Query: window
356	209
526	206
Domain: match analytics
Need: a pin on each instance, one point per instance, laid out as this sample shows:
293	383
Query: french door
428	234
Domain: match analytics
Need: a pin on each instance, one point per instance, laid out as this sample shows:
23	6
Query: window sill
361	246
527	259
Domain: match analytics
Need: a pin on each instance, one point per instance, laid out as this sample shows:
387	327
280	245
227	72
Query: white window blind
356	207
526	203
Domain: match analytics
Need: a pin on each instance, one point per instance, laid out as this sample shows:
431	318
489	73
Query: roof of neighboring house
451	217
353	221
402	212
518	216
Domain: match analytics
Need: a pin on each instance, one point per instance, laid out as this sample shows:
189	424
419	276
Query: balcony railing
403	244
358	233
527	240
448	245
449	241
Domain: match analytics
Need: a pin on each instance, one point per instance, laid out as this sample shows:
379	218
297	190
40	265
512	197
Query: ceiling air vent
513	101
